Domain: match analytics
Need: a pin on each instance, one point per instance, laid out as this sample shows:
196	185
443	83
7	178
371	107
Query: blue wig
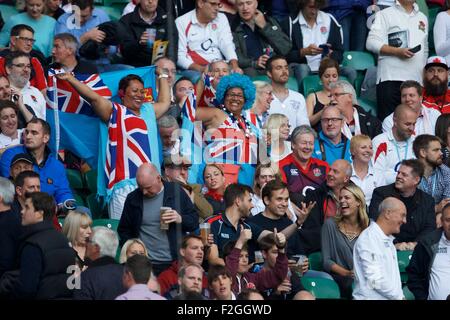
236	80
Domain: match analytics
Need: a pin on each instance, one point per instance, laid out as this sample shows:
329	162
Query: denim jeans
355	31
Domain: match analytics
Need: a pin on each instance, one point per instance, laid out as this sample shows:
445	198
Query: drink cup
259	257
163	225
151	36
205	229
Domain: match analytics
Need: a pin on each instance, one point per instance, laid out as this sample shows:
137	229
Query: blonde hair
269	165
129	243
357	140
260	86
363	218
274	122
73	222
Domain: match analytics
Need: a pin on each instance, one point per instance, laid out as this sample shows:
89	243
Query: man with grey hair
377	276
64	54
299	170
357	120
331	144
167	127
9	226
102	280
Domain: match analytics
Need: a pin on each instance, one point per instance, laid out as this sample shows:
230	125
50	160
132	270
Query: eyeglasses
337	94
333	120
22	65
235	96
214	4
26	39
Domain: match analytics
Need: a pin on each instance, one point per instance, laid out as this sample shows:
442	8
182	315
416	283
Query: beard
18	80
435	90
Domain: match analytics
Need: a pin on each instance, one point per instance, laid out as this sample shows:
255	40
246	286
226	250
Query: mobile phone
416	49
325	49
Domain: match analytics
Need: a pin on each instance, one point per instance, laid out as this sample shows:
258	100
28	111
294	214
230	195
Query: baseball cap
21	157
436	61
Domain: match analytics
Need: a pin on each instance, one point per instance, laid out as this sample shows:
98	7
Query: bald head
392	214
404	122
149	179
339	174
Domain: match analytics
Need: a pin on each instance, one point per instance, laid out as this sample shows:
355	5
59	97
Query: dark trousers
388	97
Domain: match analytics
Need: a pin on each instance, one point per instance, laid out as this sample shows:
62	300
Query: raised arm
101	106
163	103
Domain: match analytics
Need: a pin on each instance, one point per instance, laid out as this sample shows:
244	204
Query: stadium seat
311	84
79	199
95	206
74	178
403	258
109	223
369	106
114	12
7	11
91	180
321	288
432	13
315	261
408	294
358	60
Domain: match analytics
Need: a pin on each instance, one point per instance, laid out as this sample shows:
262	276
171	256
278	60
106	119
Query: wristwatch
163	75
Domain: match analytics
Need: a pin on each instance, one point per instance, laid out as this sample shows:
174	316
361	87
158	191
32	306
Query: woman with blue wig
231	139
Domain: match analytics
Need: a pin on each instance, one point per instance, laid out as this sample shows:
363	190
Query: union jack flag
190	106
208	98
128	145
68	99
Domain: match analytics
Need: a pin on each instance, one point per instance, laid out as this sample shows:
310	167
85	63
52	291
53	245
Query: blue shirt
332	151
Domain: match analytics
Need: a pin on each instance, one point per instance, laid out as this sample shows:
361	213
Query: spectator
420	218
279	9
340	234
288	102
442	132
21	162
53	9
256	37
33	17
25	182
168	132
22	39
18	70
10	229
427	269
132	247
441	32
136	275
51	171
264	173
141	216
363	173
331	144
168	67
191	252
134	34
249	294
190	278
102	280
356	119
436	178
131	91
309	29
45	256
175	171
77	228
277	130
395	145
316	101
5	89
377	276
179	7
204	35
392	36
220	280
411	95
436	94
24	113
260	109
181	89
10	135
299	170
215	184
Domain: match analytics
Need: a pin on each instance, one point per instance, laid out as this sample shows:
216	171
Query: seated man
51	171
180	90
421	217
137	45
436	94
332	144
19	163
167	128
257	37
190	279
204	35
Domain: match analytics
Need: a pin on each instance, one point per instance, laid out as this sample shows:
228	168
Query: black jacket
10	228
292	28
131	28
102	280
419	267
420	218
369	124
175	198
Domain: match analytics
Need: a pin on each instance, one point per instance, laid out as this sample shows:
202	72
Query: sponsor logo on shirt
442	250
317	172
225	235
294	172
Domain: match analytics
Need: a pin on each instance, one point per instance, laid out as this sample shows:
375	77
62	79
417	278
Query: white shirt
34	98
346	129
425	124
128	8
317	35
441	32
293	107
210	43
6	141
377	276
369	182
414	26
440	271
388	153
287	151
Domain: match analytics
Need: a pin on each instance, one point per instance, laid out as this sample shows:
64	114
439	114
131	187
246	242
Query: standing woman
43	26
441	32
77	228
215	184
339	236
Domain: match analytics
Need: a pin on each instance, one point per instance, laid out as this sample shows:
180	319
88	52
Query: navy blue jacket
174	197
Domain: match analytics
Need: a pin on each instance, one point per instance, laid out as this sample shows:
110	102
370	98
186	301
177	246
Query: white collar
381	233
399	6
302	21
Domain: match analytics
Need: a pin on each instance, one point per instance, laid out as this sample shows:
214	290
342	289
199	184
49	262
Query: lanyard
398	151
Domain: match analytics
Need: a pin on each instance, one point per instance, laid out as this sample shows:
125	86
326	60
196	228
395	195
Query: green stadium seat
408	294
109	223
368	105
74	177
358	60
403	258
114	12
321	288
7	11
315	261
79	199
91	180
312	83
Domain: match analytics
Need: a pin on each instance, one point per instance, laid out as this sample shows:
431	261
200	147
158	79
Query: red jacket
169	278
38	80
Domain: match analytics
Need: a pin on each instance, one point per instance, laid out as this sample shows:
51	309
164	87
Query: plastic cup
205	229
151	36
163	225
259	257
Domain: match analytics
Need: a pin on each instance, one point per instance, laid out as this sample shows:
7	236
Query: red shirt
440	103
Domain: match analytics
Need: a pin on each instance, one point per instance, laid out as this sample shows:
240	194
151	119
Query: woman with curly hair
230	137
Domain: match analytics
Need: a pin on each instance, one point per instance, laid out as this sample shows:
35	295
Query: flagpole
56	114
